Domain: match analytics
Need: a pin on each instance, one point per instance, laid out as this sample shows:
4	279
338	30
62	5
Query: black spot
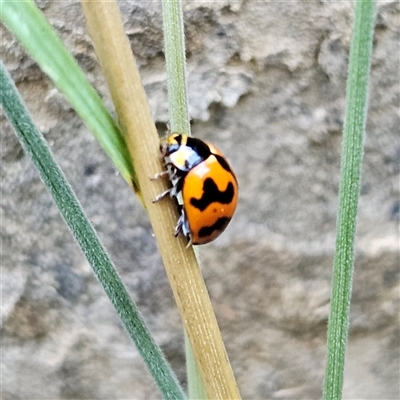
211	194
220	225
223	163
199	147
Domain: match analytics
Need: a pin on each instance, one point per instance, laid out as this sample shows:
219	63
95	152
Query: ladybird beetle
209	188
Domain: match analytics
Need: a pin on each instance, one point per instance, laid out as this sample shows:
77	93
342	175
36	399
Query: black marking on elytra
211	194
220	225
199	147
223	163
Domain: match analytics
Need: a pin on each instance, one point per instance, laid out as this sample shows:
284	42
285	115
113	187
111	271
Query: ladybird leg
186	232
183	226
180	223
159	175
162	195
172	192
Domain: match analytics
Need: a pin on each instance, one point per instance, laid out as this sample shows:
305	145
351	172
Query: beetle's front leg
160	175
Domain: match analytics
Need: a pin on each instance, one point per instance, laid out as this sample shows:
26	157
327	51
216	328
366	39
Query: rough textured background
267	85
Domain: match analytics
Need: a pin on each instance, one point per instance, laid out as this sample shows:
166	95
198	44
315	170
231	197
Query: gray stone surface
267	86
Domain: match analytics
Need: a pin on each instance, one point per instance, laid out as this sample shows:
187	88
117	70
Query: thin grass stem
199	383
73	214
349	189
175	61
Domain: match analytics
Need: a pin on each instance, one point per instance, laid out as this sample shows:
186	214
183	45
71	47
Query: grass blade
29	25
349	188
175	60
200	383
196	388
35	146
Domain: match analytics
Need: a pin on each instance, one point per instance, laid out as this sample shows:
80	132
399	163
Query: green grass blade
29	25
175	59
349	188
196	388
35	146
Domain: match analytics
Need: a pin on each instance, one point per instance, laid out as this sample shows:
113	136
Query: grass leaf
175	60
36	147
349	189
28	24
